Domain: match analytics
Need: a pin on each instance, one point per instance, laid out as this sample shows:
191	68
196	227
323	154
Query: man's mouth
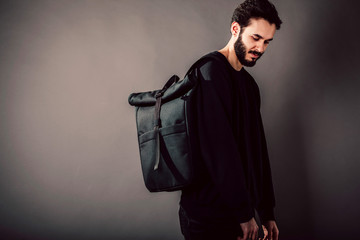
254	54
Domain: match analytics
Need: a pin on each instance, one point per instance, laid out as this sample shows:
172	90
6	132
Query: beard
240	51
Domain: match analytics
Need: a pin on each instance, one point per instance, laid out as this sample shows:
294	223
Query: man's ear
235	29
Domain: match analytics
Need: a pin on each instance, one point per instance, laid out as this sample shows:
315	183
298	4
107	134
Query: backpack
165	131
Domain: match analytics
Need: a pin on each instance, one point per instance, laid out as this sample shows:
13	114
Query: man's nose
260	47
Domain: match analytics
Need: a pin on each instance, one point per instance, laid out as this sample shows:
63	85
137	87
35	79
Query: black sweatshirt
233	170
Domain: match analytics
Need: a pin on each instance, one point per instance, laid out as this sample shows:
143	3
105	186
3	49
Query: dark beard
240	51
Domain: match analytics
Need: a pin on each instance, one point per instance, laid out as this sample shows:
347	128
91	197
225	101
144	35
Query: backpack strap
202	59
171	81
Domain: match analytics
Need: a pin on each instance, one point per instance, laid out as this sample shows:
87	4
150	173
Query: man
234	177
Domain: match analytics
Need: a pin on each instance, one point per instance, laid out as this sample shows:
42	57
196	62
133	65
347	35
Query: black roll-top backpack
165	131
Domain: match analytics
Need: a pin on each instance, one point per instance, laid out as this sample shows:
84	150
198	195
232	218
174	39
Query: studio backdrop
69	159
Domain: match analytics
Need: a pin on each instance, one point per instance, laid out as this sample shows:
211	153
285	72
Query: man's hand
273	230
250	230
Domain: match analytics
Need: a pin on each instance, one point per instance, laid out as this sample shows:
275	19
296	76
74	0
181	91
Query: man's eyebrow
261	37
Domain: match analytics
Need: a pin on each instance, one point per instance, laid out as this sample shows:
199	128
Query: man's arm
267	203
217	143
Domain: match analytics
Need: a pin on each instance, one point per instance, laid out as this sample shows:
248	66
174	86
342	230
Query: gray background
69	162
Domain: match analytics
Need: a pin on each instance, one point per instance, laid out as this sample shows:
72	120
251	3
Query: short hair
256	9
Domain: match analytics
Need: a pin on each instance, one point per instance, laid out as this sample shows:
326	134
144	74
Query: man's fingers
272	230
250	230
276	234
246	235
273	234
253	235
249	235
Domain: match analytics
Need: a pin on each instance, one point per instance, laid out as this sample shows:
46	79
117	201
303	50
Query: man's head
253	24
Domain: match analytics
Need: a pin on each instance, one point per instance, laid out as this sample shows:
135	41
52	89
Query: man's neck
230	55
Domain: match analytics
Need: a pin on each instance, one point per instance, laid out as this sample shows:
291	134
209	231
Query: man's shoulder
212	66
213	63
215	59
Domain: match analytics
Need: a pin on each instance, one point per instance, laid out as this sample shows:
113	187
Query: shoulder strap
206	57
175	78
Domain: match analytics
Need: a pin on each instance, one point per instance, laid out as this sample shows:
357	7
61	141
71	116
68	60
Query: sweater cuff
266	214
245	214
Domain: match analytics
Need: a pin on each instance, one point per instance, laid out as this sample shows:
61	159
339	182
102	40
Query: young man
234	176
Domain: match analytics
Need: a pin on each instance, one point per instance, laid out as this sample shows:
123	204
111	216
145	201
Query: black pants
195	230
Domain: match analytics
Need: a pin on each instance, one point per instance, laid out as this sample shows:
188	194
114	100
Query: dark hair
256	9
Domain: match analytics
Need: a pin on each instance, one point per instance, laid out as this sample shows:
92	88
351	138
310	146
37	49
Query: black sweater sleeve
216	138
267	203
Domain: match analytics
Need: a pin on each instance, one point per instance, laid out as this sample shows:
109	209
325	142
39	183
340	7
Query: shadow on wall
293	188
319	186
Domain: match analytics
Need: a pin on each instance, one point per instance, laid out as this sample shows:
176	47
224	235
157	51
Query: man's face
253	41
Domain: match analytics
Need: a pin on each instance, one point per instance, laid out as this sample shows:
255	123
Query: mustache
256	53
